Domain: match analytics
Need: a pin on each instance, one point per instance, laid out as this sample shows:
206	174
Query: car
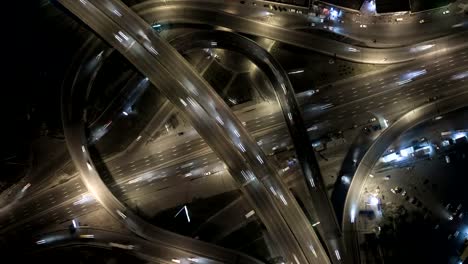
412	200
403	193
363	26
122	246
208	173
398	189
448	206
292	161
393	191
446	12
87	236
387	177
421	21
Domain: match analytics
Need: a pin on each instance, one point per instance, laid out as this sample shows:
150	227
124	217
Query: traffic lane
391	33
58	214
389	79
204	166
42	201
148	166
391	112
402	33
394	101
179	148
152	201
134	173
128	168
448	89
38	219
246	113
185	71
425	71
300	39
428	86
75	189
152	252
33	182
74	131
189	134
222	145
286	97
213	157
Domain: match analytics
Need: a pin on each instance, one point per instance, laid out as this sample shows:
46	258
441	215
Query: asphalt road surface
382	96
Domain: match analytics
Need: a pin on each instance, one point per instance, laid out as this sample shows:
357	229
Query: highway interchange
395	91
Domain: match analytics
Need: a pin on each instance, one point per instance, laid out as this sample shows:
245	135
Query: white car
421	21
363	26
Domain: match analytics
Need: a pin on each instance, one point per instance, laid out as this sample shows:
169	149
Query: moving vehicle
122	246
88	236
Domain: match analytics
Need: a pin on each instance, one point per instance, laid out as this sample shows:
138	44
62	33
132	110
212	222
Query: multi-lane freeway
413	28
434	70
212	119
173	14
